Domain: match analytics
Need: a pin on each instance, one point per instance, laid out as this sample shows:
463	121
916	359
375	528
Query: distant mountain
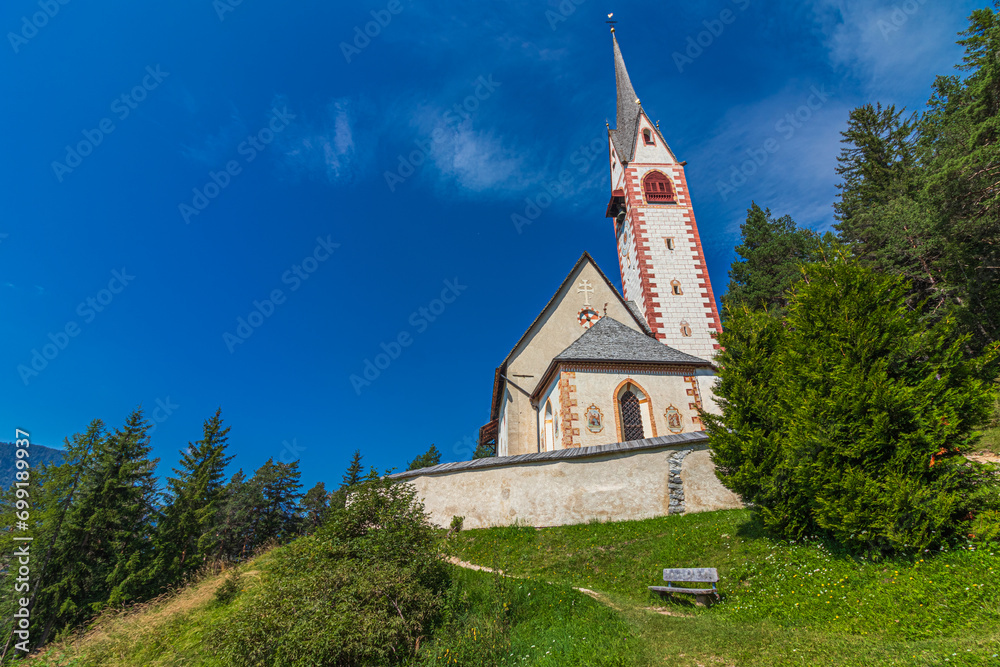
39	456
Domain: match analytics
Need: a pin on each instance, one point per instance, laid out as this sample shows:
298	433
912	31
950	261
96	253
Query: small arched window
670	243
550	439
647	137
675	287
685	329
658	188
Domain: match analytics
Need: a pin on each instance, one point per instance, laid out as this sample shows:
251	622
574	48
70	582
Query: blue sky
166	166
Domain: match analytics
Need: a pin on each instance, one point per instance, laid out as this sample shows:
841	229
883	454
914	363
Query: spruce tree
355	472
315	508
431	457
280	493
770	253
187	533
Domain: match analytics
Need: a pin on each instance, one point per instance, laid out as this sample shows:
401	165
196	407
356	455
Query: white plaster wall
663	388
609	487
552	334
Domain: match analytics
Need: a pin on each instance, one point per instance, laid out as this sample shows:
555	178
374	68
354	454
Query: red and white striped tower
659	249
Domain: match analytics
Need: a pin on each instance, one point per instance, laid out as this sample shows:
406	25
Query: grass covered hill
39	456
783	603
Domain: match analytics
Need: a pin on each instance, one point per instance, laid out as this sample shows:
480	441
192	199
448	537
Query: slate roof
697	438
610	340
627	119
629	109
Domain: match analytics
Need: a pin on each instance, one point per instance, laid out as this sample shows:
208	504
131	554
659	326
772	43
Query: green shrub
230	588
842	419
361	591
456	523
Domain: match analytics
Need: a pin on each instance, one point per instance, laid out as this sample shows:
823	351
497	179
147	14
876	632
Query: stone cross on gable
587	289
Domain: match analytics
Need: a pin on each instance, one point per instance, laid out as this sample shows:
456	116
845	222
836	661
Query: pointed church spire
628	101
629	108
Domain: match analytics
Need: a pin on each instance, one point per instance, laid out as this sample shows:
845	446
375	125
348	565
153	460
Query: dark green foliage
96	516
234	529
187	534
355	471
770	251
431	457
315	508
920	197
361	591
842	419
484	451
230	588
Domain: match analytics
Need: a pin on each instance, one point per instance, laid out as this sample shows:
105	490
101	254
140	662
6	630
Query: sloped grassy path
783	603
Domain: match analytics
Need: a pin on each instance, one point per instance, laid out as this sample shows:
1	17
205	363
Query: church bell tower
659	250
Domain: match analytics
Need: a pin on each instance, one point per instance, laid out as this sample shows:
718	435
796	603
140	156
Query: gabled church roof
498	376
610	340
629	110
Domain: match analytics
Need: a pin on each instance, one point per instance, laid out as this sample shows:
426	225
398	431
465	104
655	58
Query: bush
361	591
229	589
843	418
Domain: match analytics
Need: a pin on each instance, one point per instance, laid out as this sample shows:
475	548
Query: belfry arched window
658	189
647	137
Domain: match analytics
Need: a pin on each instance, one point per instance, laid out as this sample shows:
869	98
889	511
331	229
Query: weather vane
610	22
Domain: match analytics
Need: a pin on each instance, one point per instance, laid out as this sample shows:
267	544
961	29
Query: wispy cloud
780	152
892	47
319	149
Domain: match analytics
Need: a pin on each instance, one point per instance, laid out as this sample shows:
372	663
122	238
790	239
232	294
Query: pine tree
355	472
315	508
234	530
431	457
187	534
104	552
280	489
771	251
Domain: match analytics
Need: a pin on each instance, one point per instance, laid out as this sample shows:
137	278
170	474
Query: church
597	367
595	412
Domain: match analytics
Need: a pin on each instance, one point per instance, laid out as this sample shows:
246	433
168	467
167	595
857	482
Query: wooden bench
698	575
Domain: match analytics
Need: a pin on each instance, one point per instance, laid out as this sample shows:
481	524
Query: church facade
596	410
598	367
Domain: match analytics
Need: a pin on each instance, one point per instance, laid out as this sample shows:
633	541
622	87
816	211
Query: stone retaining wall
638	480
